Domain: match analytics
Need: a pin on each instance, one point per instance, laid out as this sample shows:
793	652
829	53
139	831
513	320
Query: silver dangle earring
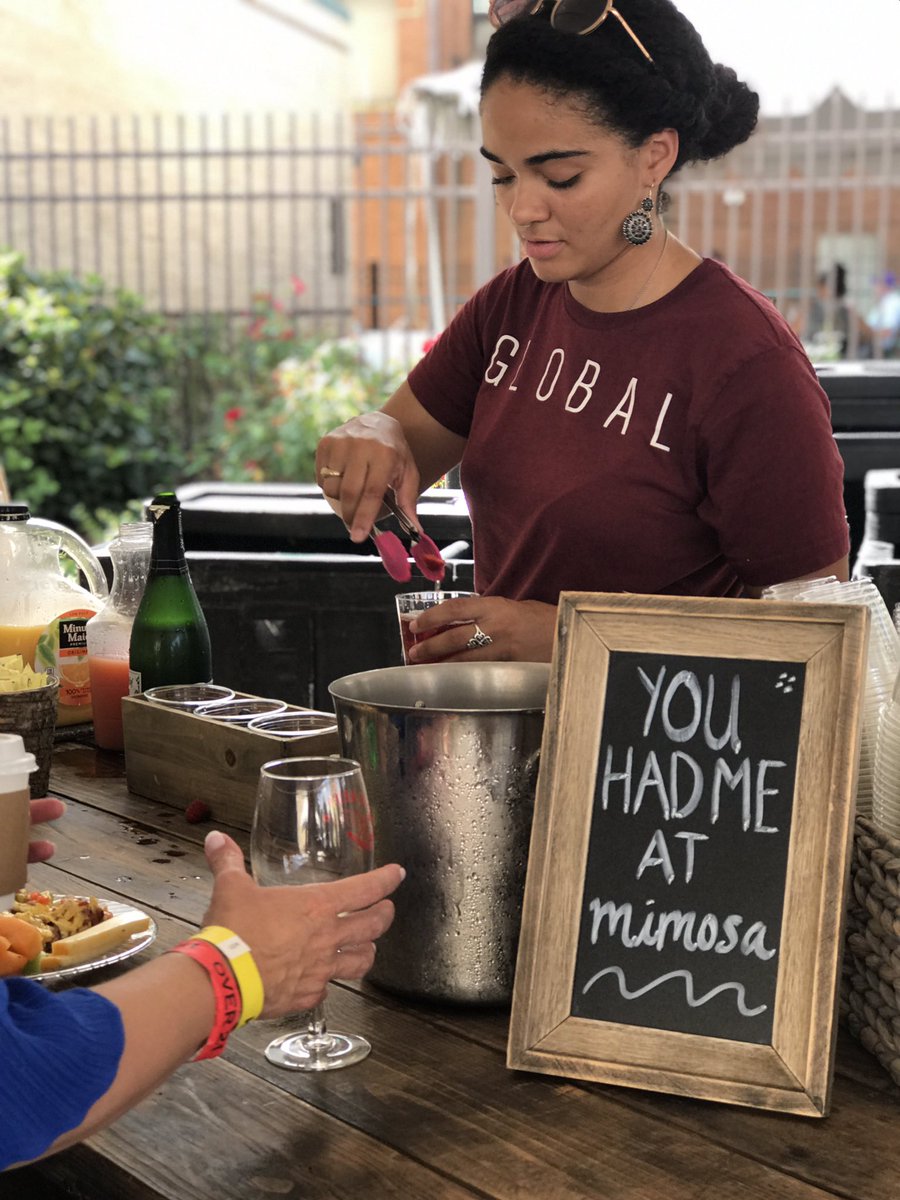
637	226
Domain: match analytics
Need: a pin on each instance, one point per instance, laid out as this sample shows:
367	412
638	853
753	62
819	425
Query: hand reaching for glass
301	937
311	825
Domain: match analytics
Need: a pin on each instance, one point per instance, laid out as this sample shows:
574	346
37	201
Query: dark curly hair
682	89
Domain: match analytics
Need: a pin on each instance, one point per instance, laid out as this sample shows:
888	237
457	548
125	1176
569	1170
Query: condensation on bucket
450	756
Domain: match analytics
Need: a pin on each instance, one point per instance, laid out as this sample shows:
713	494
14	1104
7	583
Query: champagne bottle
169	638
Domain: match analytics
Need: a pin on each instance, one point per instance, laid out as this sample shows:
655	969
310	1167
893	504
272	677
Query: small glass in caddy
311	824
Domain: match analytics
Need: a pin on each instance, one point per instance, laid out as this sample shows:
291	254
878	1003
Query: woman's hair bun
731	111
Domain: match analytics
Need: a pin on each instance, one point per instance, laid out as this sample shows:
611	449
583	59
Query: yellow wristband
242	963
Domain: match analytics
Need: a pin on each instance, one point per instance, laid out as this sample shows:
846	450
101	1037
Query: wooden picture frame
602	638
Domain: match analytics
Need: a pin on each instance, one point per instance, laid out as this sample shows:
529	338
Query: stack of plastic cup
792	588
881	675
886	787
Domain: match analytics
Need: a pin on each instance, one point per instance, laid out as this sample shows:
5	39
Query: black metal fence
351	224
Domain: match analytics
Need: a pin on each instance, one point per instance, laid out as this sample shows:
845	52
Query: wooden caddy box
177	757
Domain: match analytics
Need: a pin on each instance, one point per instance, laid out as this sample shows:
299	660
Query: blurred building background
324	153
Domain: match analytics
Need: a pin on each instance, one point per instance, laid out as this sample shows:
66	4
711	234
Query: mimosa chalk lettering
683	891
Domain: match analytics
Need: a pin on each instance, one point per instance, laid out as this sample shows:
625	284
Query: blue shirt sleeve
59	1053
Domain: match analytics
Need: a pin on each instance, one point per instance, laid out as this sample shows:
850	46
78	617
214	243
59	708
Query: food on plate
63	931
20	943
96	940
57	917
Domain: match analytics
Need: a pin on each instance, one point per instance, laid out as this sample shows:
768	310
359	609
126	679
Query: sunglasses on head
568	16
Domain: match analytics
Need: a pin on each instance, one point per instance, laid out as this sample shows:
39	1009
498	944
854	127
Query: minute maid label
62	649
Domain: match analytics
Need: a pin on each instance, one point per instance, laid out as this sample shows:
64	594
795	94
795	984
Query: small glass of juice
411	604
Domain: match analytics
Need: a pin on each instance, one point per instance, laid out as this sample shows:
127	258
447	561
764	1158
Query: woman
74	1061
627	416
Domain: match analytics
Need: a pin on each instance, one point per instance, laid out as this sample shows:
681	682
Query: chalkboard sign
683	907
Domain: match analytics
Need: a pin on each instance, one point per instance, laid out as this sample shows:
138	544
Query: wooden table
433	1112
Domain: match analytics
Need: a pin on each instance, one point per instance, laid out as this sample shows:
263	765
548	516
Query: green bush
103	402
273	436
87	393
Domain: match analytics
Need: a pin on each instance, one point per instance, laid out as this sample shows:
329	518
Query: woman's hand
520	630
356	464
46	809
401	447
300	936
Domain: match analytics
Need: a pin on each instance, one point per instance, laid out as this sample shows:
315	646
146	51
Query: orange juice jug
43	613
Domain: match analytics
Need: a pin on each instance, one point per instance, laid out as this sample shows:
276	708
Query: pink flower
233	414
298	285
429	342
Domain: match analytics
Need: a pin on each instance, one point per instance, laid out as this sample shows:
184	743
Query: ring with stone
478	639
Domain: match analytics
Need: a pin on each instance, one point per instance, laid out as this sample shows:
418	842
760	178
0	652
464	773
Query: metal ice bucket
449	753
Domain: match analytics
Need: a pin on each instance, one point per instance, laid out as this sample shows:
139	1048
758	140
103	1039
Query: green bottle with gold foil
169	638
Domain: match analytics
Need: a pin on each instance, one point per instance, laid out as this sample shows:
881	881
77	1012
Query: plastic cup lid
14	758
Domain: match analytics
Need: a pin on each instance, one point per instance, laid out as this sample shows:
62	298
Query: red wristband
225	987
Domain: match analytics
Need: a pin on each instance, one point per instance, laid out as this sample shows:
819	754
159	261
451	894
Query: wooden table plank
450	1104
213	1132
435	1097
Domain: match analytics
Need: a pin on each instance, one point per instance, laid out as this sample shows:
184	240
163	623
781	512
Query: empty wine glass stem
316	1032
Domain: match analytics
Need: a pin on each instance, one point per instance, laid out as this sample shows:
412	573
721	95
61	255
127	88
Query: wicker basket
870	984
32	714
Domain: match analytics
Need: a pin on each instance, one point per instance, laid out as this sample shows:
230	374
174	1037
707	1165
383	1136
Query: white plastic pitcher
43	613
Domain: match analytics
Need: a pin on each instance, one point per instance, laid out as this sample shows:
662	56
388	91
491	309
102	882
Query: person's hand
369	454
301	936
46	809
520	630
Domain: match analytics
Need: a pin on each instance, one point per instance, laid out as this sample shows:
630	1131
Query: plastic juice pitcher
109	633
44	614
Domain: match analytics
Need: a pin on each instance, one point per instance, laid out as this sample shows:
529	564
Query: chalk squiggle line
688	978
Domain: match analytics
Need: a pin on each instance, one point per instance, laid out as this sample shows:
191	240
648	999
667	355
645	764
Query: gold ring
330	473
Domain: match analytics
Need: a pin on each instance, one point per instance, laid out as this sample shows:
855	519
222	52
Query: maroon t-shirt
683	448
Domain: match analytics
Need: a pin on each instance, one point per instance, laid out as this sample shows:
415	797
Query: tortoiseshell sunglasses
568	16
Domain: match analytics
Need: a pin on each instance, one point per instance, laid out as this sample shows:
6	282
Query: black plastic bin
290	601
295	517
865	417
287	625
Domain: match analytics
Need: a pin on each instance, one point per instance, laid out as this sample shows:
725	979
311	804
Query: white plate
132	945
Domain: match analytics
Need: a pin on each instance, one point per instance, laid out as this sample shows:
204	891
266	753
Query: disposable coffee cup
16	764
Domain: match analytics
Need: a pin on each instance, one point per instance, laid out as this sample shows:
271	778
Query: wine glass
311	824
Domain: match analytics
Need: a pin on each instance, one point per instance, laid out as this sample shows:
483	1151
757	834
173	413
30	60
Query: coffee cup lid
14	758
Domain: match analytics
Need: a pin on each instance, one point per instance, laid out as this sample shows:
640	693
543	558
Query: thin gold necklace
646	282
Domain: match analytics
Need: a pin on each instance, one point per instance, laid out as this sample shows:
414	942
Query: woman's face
565	184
